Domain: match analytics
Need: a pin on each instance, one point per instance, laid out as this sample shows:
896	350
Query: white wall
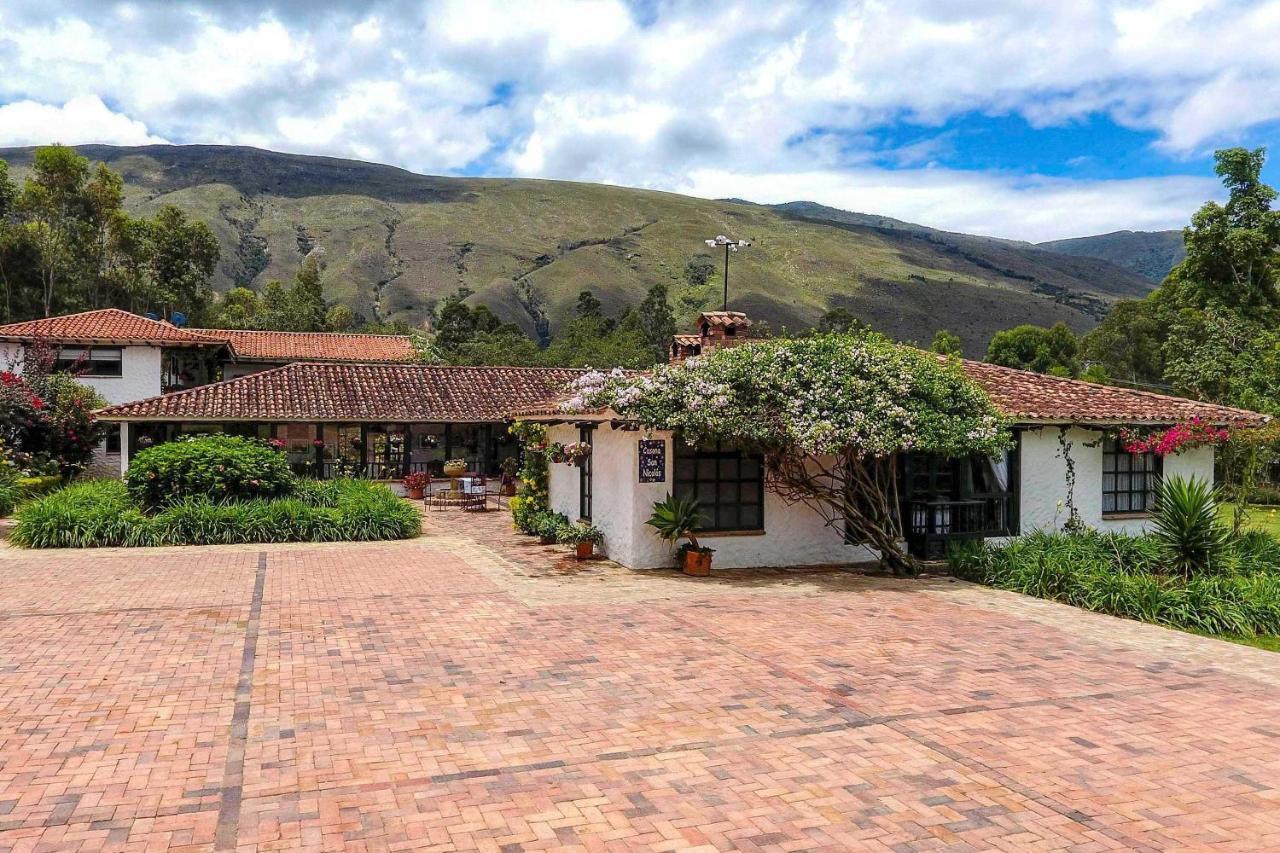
234	369
1044	479
140	368
794	535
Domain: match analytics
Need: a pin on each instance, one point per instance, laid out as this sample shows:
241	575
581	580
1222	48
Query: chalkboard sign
653	460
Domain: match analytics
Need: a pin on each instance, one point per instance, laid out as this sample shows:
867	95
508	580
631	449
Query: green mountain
395	243
1148	253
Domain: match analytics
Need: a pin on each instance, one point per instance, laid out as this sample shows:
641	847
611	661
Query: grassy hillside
1149	253
396	242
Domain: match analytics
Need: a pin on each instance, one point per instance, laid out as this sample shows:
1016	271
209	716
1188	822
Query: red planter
415	494
697	563
585	550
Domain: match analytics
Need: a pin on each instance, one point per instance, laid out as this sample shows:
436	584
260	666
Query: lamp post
729	246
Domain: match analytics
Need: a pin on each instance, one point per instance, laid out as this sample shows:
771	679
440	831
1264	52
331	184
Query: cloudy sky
1027	119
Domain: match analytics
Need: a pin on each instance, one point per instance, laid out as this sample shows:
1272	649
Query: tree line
1210	331
67	244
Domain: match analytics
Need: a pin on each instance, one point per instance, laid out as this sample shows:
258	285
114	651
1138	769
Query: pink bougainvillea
1175	439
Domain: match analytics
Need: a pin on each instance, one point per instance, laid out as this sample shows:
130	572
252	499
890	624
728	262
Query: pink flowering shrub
1177	438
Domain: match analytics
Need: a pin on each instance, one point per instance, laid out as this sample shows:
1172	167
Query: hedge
101	513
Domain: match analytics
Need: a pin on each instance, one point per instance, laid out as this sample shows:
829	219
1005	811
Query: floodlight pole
726	278
729	246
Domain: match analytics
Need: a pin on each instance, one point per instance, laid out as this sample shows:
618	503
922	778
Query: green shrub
547	524
101	513
1128	576
215	467
524	512
1187	527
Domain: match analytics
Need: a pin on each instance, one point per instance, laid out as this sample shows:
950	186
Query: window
1128	479
113	438
728	484
90	361
584	476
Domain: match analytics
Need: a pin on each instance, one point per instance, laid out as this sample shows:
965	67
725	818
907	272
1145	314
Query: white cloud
81	120
754	91
976	202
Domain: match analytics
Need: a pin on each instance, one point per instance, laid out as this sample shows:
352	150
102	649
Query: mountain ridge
396	242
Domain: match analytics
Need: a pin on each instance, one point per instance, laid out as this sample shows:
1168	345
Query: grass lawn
1264	518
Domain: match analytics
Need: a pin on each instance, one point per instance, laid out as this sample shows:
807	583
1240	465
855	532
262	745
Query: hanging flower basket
145	441
318	444
577	452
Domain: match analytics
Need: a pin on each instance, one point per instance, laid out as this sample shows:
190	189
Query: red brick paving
437	694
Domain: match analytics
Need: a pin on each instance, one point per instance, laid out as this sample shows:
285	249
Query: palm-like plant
675	518
1187	526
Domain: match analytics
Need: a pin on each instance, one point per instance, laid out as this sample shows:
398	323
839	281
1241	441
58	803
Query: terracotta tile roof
107	325
724	318
253	345
1035	397
687	340
1032	398
357	392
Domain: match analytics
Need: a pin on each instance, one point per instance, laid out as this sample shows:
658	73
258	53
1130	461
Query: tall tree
183	256
53	209
306	297
655	321
1028	347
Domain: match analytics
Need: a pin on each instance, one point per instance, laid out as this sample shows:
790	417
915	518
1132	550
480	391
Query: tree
699	269
1053	350
655	321
841	321
340	318
1128	343
52	207
587	305
307	307
830	413
182	255
945	343
238	309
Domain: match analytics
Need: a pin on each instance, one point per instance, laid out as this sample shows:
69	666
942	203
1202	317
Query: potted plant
415	484
582	536
455	468
556	453
677	518
577	452
509	468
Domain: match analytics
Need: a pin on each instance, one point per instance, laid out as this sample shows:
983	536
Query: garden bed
101	513
1128	576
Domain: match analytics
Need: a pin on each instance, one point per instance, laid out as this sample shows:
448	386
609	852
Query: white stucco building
1064	430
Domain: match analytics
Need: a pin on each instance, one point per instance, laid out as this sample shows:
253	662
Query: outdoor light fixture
729	246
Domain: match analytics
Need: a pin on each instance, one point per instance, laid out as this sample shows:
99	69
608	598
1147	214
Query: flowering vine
1177	438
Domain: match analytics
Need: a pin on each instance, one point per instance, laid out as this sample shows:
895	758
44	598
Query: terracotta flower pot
415	494
584	550
697	563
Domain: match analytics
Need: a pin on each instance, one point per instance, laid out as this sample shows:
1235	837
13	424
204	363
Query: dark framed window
728	484
91	361
1129	480
584	476
113	438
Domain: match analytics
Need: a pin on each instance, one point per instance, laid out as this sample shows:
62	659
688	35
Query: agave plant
1187	527
675	518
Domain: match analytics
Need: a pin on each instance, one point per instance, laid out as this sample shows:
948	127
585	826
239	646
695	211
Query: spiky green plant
1186	525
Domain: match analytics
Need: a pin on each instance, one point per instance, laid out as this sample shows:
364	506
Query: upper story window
1129	480
728	484
91	361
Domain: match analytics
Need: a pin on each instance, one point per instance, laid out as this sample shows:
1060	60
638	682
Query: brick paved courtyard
469	690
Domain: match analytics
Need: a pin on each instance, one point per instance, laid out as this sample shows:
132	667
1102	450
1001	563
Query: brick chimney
714	329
